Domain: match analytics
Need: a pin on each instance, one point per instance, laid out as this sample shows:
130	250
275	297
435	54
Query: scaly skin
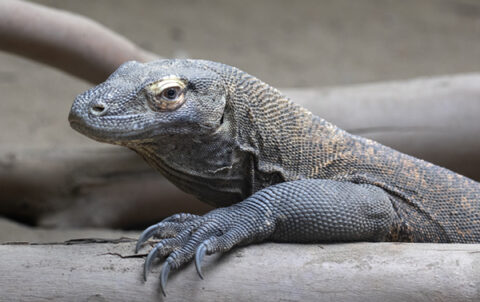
280	172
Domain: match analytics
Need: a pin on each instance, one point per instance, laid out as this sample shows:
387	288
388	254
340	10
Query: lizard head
175	114
141	102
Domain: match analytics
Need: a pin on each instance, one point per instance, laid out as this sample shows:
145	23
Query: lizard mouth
111	135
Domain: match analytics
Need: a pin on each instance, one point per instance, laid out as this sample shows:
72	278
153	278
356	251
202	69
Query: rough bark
103	270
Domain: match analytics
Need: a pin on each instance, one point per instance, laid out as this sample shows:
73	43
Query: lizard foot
186	236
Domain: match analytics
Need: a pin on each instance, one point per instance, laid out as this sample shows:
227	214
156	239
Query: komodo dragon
276	171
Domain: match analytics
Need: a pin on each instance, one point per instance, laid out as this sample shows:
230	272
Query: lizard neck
209	167
286	140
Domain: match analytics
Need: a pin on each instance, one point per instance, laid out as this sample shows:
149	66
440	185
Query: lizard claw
148	262
162	249
186	237
164	277
199	254
147	234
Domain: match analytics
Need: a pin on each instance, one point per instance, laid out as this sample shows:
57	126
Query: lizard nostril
98	109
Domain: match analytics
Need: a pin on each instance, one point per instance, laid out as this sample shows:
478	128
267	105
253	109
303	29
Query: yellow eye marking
158	87
166	94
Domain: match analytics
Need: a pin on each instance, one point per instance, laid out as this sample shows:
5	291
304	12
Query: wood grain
89	271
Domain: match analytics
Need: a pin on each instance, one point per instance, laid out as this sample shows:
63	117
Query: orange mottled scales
277	171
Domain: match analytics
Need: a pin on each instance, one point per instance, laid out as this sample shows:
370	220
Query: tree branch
70	42
88	271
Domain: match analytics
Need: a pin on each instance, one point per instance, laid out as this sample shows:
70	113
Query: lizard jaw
111	135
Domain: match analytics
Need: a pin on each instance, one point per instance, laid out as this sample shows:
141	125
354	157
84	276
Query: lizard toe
181	217
216	244
217	231
165	229
166	247
160	250
208	239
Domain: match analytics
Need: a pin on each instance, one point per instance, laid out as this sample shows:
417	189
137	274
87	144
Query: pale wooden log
70	42
88	271
78	187
12	231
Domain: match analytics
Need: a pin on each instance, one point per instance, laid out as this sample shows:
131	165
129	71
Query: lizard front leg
311	210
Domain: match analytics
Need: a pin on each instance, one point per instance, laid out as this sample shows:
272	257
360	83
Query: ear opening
222	118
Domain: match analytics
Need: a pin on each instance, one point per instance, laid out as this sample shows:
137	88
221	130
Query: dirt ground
286	43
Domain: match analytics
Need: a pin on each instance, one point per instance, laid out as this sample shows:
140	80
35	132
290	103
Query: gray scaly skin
276	171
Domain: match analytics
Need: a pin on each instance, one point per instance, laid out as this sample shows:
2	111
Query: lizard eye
171	93
167	94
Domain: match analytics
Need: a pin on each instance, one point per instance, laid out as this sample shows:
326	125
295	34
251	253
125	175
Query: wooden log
12	231
107	270
70	42
79	187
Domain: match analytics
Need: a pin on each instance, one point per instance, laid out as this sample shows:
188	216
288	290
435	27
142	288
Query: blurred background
285	43
302	43
289	44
